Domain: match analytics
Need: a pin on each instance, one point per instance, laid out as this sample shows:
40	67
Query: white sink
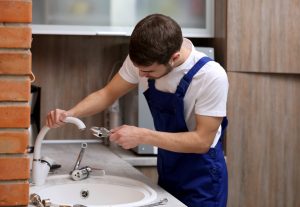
95	191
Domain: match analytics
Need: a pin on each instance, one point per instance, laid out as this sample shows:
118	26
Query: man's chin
155	78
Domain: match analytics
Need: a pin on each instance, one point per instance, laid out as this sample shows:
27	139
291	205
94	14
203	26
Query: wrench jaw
100	132
96	131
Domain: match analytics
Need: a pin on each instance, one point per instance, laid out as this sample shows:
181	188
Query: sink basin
95	191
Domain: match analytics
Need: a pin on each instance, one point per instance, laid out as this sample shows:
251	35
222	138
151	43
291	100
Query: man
187	94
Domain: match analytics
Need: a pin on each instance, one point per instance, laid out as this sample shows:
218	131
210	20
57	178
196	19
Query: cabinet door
263	36
196	17
149	171
263	140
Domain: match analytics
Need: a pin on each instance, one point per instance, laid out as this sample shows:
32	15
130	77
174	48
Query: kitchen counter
99	156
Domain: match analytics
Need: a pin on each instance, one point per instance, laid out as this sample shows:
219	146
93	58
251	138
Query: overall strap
151	83
187	78
224	126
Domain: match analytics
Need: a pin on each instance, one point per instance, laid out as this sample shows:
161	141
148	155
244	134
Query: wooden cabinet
263	138
149	171
263	36
196	17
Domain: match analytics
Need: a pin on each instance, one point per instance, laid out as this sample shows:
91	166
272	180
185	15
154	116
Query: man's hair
154	40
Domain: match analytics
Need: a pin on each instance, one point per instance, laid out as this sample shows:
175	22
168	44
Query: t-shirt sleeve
129	72
212	98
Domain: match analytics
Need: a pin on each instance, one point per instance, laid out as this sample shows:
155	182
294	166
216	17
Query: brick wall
15	67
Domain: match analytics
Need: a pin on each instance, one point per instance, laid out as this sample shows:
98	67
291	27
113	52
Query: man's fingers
55	118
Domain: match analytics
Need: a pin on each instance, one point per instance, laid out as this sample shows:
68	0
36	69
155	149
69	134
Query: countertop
99	156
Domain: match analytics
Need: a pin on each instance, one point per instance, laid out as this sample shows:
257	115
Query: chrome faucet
82	173
80	156
41	166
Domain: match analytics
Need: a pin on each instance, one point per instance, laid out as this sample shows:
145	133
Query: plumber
187	93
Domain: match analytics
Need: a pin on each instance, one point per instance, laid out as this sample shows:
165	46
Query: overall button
214	173
213	170
212	153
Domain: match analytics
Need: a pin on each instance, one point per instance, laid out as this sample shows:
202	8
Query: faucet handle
98	171
80	156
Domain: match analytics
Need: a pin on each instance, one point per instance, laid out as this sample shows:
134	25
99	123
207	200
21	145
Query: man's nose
142	74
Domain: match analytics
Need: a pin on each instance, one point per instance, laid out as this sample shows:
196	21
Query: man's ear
174	58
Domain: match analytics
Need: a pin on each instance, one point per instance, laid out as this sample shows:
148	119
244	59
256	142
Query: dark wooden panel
263	36
263	140
68	68
219	42
149	171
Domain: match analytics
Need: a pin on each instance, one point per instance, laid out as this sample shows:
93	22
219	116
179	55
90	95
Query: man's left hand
126	136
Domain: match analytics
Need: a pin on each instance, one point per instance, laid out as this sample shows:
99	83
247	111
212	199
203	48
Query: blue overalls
198	180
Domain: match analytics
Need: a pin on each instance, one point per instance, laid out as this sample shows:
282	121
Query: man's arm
103	98
197	141
93	103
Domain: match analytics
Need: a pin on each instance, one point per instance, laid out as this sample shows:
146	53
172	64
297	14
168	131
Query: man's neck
185	52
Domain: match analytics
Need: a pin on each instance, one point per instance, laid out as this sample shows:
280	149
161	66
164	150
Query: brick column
15	68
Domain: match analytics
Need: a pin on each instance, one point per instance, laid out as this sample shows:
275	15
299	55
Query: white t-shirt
206	95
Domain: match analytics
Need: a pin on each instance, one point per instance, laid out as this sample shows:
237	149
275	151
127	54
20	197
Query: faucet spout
77	122
39	167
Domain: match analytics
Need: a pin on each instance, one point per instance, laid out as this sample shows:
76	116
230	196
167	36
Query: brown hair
154	40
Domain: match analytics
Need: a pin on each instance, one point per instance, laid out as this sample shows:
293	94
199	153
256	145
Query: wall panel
263	140
68	68
263	36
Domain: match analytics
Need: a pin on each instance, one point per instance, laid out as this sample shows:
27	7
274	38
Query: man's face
154	71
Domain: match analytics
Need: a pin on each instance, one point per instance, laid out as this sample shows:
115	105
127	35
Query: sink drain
84	193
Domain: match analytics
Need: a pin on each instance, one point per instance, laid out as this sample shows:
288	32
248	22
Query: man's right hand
55	118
